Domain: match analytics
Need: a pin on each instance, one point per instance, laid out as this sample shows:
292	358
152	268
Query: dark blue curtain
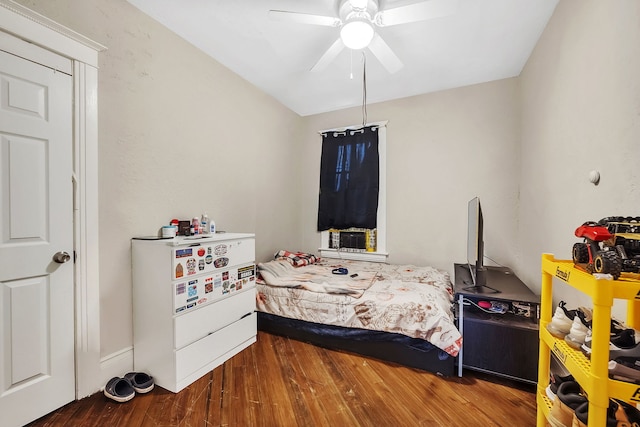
349	179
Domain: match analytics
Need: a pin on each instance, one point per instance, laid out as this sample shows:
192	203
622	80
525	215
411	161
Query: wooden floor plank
213	416
273	386
324	400
238	391
282	382
364	391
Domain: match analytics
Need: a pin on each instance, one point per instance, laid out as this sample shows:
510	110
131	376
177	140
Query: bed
398	313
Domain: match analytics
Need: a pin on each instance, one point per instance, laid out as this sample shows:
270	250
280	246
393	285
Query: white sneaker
577	333
561	323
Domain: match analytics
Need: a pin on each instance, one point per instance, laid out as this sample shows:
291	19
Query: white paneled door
37	373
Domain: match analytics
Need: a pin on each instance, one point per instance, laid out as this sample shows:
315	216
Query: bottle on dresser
204	223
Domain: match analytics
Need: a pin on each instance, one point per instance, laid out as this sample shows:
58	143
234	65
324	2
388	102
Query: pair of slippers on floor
124	389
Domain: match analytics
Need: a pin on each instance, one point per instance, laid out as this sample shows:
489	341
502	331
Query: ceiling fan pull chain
351	66
364	89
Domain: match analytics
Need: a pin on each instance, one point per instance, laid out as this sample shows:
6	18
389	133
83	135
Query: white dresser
193	304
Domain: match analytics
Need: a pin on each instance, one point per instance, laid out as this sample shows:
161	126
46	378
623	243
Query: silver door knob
61	257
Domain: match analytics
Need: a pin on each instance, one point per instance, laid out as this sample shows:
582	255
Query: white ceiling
483	40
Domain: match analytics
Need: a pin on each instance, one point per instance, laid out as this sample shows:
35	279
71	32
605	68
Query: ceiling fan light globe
357	34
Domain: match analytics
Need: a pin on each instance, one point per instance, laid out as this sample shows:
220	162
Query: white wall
443	149
581	106
525	146
179	135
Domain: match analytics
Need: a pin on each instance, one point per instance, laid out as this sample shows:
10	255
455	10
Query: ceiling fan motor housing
358	19
349	10
357	25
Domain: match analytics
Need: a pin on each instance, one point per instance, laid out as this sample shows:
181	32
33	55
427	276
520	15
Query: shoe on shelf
620	344
615	329
617	326
626	338
569	398
119	390
624	372
619	414
626	414
558	374
561	321
626	366
554	382
581	417
579	329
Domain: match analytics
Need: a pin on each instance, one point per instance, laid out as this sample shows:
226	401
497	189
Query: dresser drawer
199	323
200	353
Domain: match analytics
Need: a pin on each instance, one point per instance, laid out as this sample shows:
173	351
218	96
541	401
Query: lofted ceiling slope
481	41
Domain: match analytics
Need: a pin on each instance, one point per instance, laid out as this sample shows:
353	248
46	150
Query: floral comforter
404	299
319	277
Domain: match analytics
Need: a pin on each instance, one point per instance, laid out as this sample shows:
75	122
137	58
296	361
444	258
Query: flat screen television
475	250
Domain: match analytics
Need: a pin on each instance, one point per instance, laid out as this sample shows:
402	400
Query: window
357	225
349	179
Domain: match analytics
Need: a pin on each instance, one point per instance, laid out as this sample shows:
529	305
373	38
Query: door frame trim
32	27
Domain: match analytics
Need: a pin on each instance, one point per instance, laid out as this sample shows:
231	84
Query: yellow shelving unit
592	375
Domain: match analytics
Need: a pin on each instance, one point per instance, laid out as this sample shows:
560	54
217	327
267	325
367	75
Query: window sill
355	256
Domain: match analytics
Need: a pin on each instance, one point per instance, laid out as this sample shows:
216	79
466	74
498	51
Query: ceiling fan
358	19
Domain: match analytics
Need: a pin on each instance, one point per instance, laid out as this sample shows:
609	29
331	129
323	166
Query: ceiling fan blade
385	55
328	56
304	18
428	9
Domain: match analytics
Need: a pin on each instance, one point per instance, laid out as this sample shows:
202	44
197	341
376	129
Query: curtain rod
354	127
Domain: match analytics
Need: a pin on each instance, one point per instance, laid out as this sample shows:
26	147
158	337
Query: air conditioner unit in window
353	240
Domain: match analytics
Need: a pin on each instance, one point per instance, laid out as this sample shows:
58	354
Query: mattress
404	299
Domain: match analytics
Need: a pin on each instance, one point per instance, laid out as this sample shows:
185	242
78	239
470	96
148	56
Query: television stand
480	289
500	344
478	282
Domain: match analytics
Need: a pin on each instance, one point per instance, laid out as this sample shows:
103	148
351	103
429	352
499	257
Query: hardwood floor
283	382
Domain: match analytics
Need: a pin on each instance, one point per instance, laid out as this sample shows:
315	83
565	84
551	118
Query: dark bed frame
391	347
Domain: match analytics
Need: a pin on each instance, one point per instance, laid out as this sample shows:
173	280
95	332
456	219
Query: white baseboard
116	365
